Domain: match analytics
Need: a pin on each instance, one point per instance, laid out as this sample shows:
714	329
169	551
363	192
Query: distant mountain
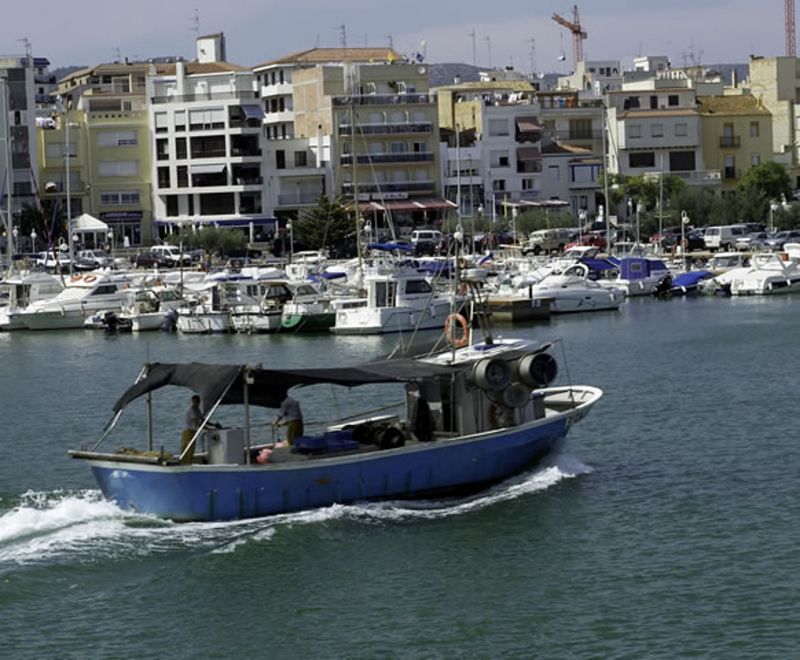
446	74
64	71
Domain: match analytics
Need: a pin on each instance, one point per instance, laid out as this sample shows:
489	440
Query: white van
172	253
426	235
723	237
546	240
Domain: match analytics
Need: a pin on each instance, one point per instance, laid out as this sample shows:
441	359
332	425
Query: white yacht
767	274
396	301
572	291
83	296
20	290
262	314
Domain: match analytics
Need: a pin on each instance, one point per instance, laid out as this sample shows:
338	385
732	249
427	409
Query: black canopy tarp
216	381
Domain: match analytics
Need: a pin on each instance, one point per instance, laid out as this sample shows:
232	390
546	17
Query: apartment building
18	154
384	137
205	124
299	167
775	82
737	135
655	126
102	123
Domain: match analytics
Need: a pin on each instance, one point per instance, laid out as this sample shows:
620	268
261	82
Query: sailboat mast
356	204
8	184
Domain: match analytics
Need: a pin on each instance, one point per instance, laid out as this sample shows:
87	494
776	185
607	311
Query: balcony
731	173
699	177
384	99
204	96
381	159
299	199
730	141
424	127
406	186
242	152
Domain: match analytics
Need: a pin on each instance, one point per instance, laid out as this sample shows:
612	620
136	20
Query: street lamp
581	224
639	209
15	234
111	244
33	240
291	240
773	206
684	222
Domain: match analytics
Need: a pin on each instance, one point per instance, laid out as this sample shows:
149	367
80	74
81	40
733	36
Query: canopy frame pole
248	379
150	421
115	418
202	426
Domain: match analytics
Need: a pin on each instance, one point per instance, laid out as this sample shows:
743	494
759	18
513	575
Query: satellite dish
421	70
561	57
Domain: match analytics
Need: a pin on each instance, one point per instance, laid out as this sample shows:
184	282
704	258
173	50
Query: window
183	176
417	286
755	160
280	159
180	120
207	119
499	185
634	131
527	184
162	149
300	159
117	139
657	130
580	129
172	205
180	148
553	173
163	177
161	122
681	161
217	204
653	102
673	100
754	129
57	149
681	130
498	127
642	159
118	168
120	198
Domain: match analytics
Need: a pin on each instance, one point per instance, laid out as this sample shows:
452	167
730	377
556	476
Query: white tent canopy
86	223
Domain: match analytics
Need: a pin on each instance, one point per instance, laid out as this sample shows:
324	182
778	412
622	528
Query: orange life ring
449	330
75	277
89	278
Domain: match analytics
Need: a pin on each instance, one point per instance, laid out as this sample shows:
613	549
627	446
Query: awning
252	112
405	205
529	153
88	223
231	222
435	204
527	125
215	382
207	168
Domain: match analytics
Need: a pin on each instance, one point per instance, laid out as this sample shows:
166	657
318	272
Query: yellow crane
578	33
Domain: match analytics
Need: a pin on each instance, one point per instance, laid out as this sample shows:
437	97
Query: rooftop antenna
791	38
343	35
317	40
488	40
28	48
118	54
391	41
474	49
195	19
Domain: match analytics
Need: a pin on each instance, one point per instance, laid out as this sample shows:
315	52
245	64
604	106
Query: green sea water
668	526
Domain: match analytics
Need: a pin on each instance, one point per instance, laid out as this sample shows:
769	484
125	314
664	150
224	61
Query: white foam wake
77	527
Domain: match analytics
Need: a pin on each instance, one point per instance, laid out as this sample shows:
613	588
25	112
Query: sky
519	33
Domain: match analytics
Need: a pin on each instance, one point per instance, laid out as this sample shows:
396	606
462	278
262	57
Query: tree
212	239
329	225
770	179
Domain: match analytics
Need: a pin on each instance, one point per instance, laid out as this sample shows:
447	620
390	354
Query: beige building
737	135
105	115
775	82
384	143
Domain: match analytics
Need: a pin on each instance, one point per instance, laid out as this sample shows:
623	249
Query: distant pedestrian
194	418
291	416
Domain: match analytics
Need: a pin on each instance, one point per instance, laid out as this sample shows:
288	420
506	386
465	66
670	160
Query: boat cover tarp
391	246
598	265
226	382
692	278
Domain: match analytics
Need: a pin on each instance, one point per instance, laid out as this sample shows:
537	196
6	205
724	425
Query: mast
6	107
356	204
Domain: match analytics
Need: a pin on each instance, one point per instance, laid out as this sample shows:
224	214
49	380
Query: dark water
668	527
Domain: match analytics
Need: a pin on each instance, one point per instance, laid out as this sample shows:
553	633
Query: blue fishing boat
470	415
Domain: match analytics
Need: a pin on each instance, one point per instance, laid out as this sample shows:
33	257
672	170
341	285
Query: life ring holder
449	330
77	277
89	278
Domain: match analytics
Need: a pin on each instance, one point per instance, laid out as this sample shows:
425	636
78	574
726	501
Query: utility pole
474	49
489	48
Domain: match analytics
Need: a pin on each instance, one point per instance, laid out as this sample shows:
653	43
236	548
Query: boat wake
69	527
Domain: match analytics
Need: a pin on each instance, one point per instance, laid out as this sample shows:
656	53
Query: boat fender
491	374
89	278
75	278
537	369
263	455
450	324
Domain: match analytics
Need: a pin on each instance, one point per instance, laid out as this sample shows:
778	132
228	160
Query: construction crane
578	33
791	38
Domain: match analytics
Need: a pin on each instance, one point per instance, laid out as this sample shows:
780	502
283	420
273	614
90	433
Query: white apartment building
654	126
18	153
205	122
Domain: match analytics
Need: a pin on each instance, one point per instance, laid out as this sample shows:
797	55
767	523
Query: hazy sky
90	31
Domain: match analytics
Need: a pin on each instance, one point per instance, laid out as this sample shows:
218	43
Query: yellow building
110	172
737	135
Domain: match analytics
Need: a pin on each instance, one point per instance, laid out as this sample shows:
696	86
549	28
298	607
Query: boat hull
308	322
227	492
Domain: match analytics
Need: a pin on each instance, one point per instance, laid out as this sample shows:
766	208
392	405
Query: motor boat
22	289
572	290
767	274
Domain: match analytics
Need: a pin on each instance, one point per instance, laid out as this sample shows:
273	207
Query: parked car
723	237
753	241
595	239
151	259
694	239
173	254
547	240
777	241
